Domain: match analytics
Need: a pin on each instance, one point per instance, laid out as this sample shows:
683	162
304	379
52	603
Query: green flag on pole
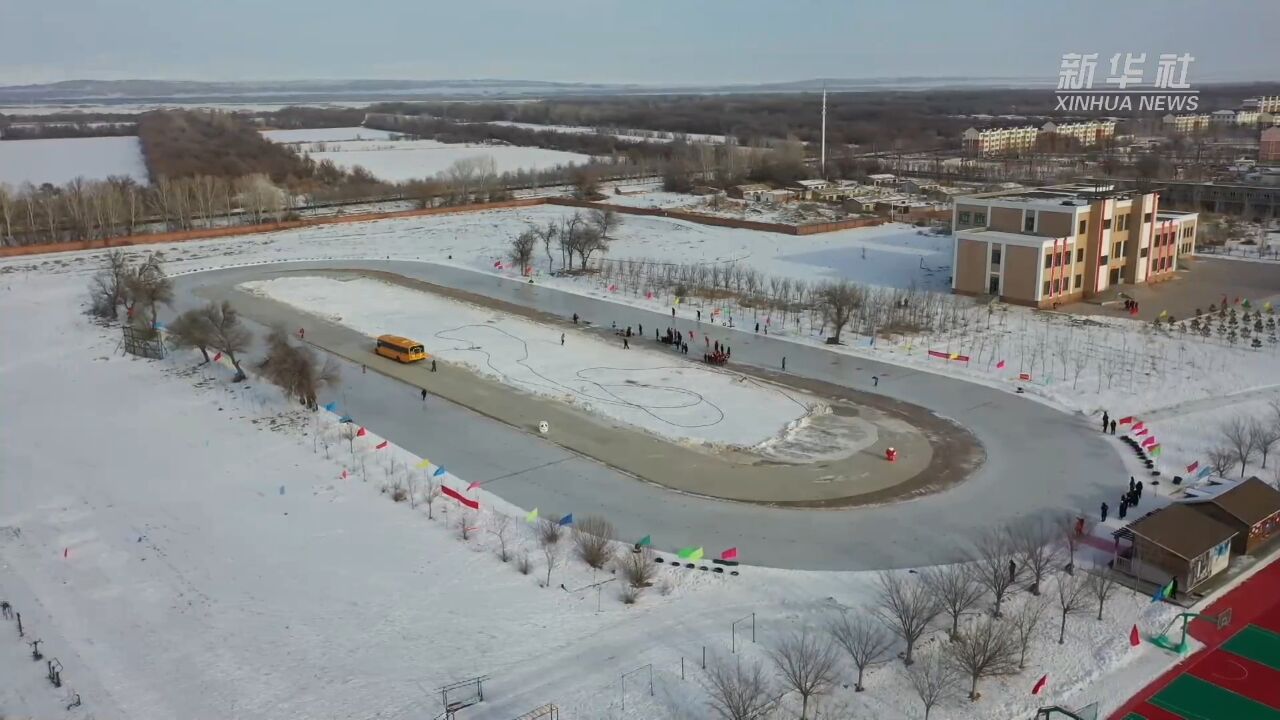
645	541
686	553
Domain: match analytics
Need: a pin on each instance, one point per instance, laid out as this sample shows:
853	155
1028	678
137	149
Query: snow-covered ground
61	160
185	550
311	135
654	136
651	390
401	160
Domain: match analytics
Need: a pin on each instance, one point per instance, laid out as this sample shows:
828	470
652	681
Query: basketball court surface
1237	675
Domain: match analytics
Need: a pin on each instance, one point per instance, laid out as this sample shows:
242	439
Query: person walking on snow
784	363
424	394
1104	512
1106	421
1132	484
561	339
640	330
625	345
757	327
575	318
302	334
433	360
875	381
673	312
1113	427
1124	508
699	316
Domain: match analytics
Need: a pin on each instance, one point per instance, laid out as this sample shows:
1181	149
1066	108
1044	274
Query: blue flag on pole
1205	471
344	419
439	471
567	519
332	407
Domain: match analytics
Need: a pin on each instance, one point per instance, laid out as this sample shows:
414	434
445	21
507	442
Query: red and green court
1237	675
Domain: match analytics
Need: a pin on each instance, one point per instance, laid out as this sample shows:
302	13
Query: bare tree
1072	593
995	565
1024	623
740	691
189	330
296	369
638	568
522	250
430	492
867	642
807	663
1221	459
1266	433
934	679
499	527
606	221
956	589
593	541
552	553
838	301
907	606
226	334
1071	538
547	233
1038	550
985	648
1238	435
548	531
1102	584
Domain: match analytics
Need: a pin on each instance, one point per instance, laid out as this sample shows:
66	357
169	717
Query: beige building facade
1050	246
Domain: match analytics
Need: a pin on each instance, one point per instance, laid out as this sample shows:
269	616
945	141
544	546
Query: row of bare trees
581	235
1243	440
984	639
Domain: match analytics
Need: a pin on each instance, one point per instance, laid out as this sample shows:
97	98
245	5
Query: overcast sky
642	41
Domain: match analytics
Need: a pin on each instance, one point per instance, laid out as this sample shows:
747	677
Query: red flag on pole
1044	680
1000	365
344	474
1193	466
361	432
472	486
1126	420
1134	638
1139	425
1141	432
450	492
380	446
730	554
217	357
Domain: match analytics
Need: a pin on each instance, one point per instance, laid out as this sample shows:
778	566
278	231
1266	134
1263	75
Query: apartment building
1187	123
1049	246
1015	140
1264	104
1269	145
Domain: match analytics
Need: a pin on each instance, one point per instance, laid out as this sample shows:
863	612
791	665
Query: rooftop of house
1008	238
812	183
1249	501
754	187
1179	529
1070	194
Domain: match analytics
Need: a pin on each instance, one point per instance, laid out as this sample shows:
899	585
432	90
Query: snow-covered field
396	160
311	135
61	160
654	136
651	390
184	550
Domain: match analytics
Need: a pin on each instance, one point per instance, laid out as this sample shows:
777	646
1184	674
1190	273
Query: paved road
1039	460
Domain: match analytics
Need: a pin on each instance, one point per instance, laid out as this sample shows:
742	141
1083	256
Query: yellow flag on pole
422	465
532	516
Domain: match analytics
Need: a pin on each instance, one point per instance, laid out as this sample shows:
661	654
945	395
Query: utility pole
822	162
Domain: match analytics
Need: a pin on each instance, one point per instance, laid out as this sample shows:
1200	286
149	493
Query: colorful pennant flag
696	555
423	464
1000	365
677	301
1125	420
469	502
730	554
1044	680
1193	466
1139	425
472	486
331	407
645	541
381	446
344	419
1205	472
1141	432
1151	440
361	432
1163	592
532	516
567	519
1155	450
217	357
438	471
685	553
344	474
1134	638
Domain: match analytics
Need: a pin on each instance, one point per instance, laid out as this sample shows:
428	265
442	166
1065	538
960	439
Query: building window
1046	288
1146	218
1115	249
1142	252
1048	261
995	256
993	286
1106	223
1104	260
1029	224
1083	225
1056	286
979	218
1080	254
1079	280
964	217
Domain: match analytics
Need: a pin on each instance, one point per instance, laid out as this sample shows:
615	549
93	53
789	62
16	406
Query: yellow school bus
400	349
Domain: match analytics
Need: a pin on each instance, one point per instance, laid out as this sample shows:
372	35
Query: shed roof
1181	530
1250	501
